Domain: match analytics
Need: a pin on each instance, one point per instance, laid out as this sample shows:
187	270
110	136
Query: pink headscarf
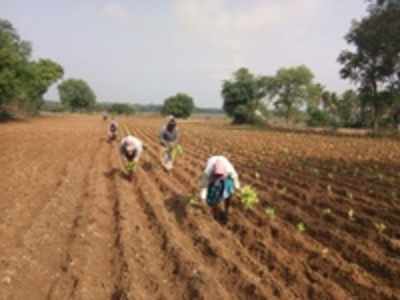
219	168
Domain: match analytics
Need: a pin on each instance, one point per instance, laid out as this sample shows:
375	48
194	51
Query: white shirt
135	142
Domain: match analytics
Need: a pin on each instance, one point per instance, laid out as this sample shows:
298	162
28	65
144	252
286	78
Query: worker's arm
139	150
205	179
162	139
233	174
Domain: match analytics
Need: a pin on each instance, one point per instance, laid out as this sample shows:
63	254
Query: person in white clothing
218	183
130	149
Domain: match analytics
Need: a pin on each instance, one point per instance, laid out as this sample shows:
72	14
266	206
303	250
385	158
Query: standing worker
169	138
112	130
218	184
105	116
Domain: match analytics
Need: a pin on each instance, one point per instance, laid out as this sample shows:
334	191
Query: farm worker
112	130
169	136
130	149
169	133
218	183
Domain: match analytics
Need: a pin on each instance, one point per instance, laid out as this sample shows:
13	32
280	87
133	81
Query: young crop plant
315	171
270	212
380	227
327	211
350	213
190	199
329	189
301	227
130	167
349	195
193	200
283	191
248	196
381	177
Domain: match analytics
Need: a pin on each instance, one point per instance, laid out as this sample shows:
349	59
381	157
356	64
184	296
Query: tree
348	109
22	80
329	102
14	55
318	117
39	76
76	95
291	88
378	5
242	96
374	65
315	92
180	106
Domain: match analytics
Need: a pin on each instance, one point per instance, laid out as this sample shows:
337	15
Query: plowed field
72	227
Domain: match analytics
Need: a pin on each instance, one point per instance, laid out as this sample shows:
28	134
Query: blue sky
144	51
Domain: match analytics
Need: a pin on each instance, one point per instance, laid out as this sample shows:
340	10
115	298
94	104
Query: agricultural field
327	224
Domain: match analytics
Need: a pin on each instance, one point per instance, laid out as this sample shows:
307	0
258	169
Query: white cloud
114	10
218	15
234	29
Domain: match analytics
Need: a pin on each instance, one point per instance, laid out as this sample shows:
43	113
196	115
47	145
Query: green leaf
248	197
130	166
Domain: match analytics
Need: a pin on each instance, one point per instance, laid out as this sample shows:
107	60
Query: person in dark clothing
169	137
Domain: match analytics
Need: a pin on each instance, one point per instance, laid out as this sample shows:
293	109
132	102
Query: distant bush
52	106
242	96
5	115
76	95
122	109
319	118
180	106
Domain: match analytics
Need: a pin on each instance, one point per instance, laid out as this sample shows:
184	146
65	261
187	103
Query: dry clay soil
72	227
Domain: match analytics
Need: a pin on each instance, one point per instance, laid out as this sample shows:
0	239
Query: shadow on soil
115	171
178	205
119	295
219	215
149	167
6	117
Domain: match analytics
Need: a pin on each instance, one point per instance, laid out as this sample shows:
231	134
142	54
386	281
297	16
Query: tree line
373	66
24	81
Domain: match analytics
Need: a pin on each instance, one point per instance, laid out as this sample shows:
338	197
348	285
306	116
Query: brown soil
72	227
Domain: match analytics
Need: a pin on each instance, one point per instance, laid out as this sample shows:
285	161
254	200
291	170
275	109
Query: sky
143	51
